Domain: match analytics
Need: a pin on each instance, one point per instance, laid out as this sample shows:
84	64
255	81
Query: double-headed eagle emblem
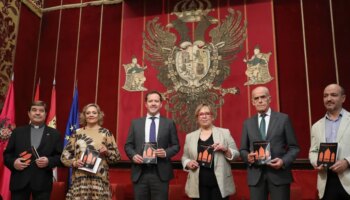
193	54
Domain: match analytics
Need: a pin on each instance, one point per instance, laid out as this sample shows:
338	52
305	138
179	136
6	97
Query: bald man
333	183
275	177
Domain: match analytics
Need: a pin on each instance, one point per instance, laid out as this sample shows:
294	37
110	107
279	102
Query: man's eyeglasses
202	114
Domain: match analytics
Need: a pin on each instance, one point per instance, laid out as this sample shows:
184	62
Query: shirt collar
268	113
37	126
340	115
156	116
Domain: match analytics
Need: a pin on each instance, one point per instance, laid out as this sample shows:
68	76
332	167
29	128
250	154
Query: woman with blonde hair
207	155
94	138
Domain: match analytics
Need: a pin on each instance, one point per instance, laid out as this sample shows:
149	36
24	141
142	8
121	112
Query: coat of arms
258	67
193	67
5	130
135	77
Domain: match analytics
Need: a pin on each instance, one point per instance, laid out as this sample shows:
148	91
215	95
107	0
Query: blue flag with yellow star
72	124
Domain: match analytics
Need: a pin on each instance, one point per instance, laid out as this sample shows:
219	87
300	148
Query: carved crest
194	68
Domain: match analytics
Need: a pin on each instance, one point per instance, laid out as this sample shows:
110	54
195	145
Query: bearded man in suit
334	127
275	177
151	181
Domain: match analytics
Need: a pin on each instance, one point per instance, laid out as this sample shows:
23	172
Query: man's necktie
152	131
263	126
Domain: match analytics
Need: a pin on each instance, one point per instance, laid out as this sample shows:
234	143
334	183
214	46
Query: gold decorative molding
80	5
9	16
35	6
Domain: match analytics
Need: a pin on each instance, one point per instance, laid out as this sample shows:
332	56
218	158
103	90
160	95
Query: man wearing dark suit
35	176
151	181
275	177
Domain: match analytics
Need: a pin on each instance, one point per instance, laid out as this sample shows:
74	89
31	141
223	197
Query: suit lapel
272	124
344	124
44	138
160	128
322	130
142	130
27	139
216	138
194	143
256	125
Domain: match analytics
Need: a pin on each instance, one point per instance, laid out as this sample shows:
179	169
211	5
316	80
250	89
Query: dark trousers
24	194
264	187
149	186
334	189
210	193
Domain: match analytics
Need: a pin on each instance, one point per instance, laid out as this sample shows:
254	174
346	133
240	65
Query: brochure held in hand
91	160
263	152
205	156
149	153
26	156
327	154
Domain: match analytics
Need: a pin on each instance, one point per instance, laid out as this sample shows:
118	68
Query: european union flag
72	124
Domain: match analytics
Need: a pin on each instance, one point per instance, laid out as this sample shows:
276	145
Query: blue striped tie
152	131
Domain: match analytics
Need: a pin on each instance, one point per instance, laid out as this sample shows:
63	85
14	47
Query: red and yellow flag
51	118
7	121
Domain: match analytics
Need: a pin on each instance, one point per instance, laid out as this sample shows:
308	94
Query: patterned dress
86	185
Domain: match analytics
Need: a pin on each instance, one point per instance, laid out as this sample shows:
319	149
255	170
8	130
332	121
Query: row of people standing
151	181
216	181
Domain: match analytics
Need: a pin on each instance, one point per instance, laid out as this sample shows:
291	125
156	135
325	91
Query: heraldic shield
192	64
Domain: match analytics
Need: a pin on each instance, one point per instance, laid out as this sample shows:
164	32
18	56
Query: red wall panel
67	2
341	18
109	65
88	54
47	54
319	49
66	62
51	3
291	69
24	64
